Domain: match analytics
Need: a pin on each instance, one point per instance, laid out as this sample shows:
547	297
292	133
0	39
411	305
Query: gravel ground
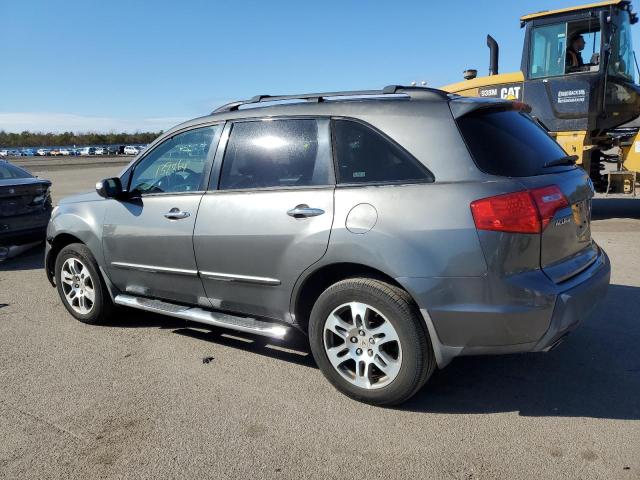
135	399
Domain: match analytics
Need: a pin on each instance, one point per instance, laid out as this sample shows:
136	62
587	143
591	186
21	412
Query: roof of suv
413	92
357	102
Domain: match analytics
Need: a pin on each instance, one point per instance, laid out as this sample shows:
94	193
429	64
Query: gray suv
398	228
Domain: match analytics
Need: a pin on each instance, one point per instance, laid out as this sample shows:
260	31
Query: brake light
527	211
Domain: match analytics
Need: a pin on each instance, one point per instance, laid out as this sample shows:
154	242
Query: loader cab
579	67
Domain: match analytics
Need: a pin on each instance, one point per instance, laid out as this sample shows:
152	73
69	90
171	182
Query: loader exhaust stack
494	52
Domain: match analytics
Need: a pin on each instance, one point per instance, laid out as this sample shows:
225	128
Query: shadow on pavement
594	373
130	318
294	350
603	208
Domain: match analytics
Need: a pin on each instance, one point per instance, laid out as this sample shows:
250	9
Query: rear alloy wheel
80	286
369	340
362	345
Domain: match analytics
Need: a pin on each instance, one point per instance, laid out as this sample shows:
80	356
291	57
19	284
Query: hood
81	197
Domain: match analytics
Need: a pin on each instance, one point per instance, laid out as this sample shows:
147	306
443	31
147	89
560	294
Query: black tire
418	360
102	304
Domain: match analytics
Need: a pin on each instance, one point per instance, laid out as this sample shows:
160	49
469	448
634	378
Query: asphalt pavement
150	397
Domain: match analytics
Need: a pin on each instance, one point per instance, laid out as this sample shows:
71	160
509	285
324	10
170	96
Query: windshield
622	61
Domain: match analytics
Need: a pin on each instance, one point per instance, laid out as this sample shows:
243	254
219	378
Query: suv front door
148	237
271	215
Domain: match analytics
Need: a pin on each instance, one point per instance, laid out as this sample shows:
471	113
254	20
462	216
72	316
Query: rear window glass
9	171
509	143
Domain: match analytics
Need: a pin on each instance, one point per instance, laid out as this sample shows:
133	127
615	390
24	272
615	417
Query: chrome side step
199	315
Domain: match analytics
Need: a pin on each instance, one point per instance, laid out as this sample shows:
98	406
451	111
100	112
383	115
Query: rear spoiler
461	106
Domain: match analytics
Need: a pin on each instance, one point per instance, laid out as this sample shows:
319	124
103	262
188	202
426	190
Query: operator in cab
574	61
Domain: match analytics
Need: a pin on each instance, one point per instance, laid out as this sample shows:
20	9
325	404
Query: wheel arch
311	286
57	243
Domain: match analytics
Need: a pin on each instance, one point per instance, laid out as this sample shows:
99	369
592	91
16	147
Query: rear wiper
566	160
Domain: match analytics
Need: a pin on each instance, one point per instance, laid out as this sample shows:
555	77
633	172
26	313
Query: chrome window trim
227	277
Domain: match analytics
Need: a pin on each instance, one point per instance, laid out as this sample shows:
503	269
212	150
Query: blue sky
134	65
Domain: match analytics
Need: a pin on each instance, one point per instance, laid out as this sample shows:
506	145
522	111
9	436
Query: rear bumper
574	305
23	229
524	313
22	237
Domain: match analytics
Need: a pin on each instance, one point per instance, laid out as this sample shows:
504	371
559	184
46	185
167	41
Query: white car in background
42	152
4	153
64	152
130	150
99	151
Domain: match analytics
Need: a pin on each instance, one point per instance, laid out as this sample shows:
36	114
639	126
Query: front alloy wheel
78	286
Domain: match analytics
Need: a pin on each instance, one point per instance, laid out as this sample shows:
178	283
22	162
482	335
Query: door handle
303	211
176	214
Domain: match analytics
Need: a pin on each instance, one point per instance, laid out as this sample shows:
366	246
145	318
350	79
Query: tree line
40	139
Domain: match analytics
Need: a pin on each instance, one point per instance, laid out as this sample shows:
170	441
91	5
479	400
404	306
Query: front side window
277	153
564	48
365	156
177	165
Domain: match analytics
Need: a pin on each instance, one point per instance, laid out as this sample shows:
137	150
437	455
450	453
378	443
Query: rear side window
509	143
365	156
8	171
277	153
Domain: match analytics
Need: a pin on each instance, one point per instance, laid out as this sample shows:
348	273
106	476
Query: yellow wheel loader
579	75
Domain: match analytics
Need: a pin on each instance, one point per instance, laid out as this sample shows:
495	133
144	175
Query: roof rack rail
414	92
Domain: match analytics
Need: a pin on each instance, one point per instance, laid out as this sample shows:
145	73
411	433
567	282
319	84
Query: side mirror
109	188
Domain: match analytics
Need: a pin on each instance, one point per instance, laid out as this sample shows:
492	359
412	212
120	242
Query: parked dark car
25	208
112	150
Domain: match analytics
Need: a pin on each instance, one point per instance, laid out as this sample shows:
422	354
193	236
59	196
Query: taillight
42	197
549	200
527	211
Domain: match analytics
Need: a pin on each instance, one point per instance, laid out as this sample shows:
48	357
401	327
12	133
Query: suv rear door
508	143
268	214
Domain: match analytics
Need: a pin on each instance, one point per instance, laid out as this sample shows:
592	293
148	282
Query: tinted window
277	153
365	156
509	143
9	171
176	165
